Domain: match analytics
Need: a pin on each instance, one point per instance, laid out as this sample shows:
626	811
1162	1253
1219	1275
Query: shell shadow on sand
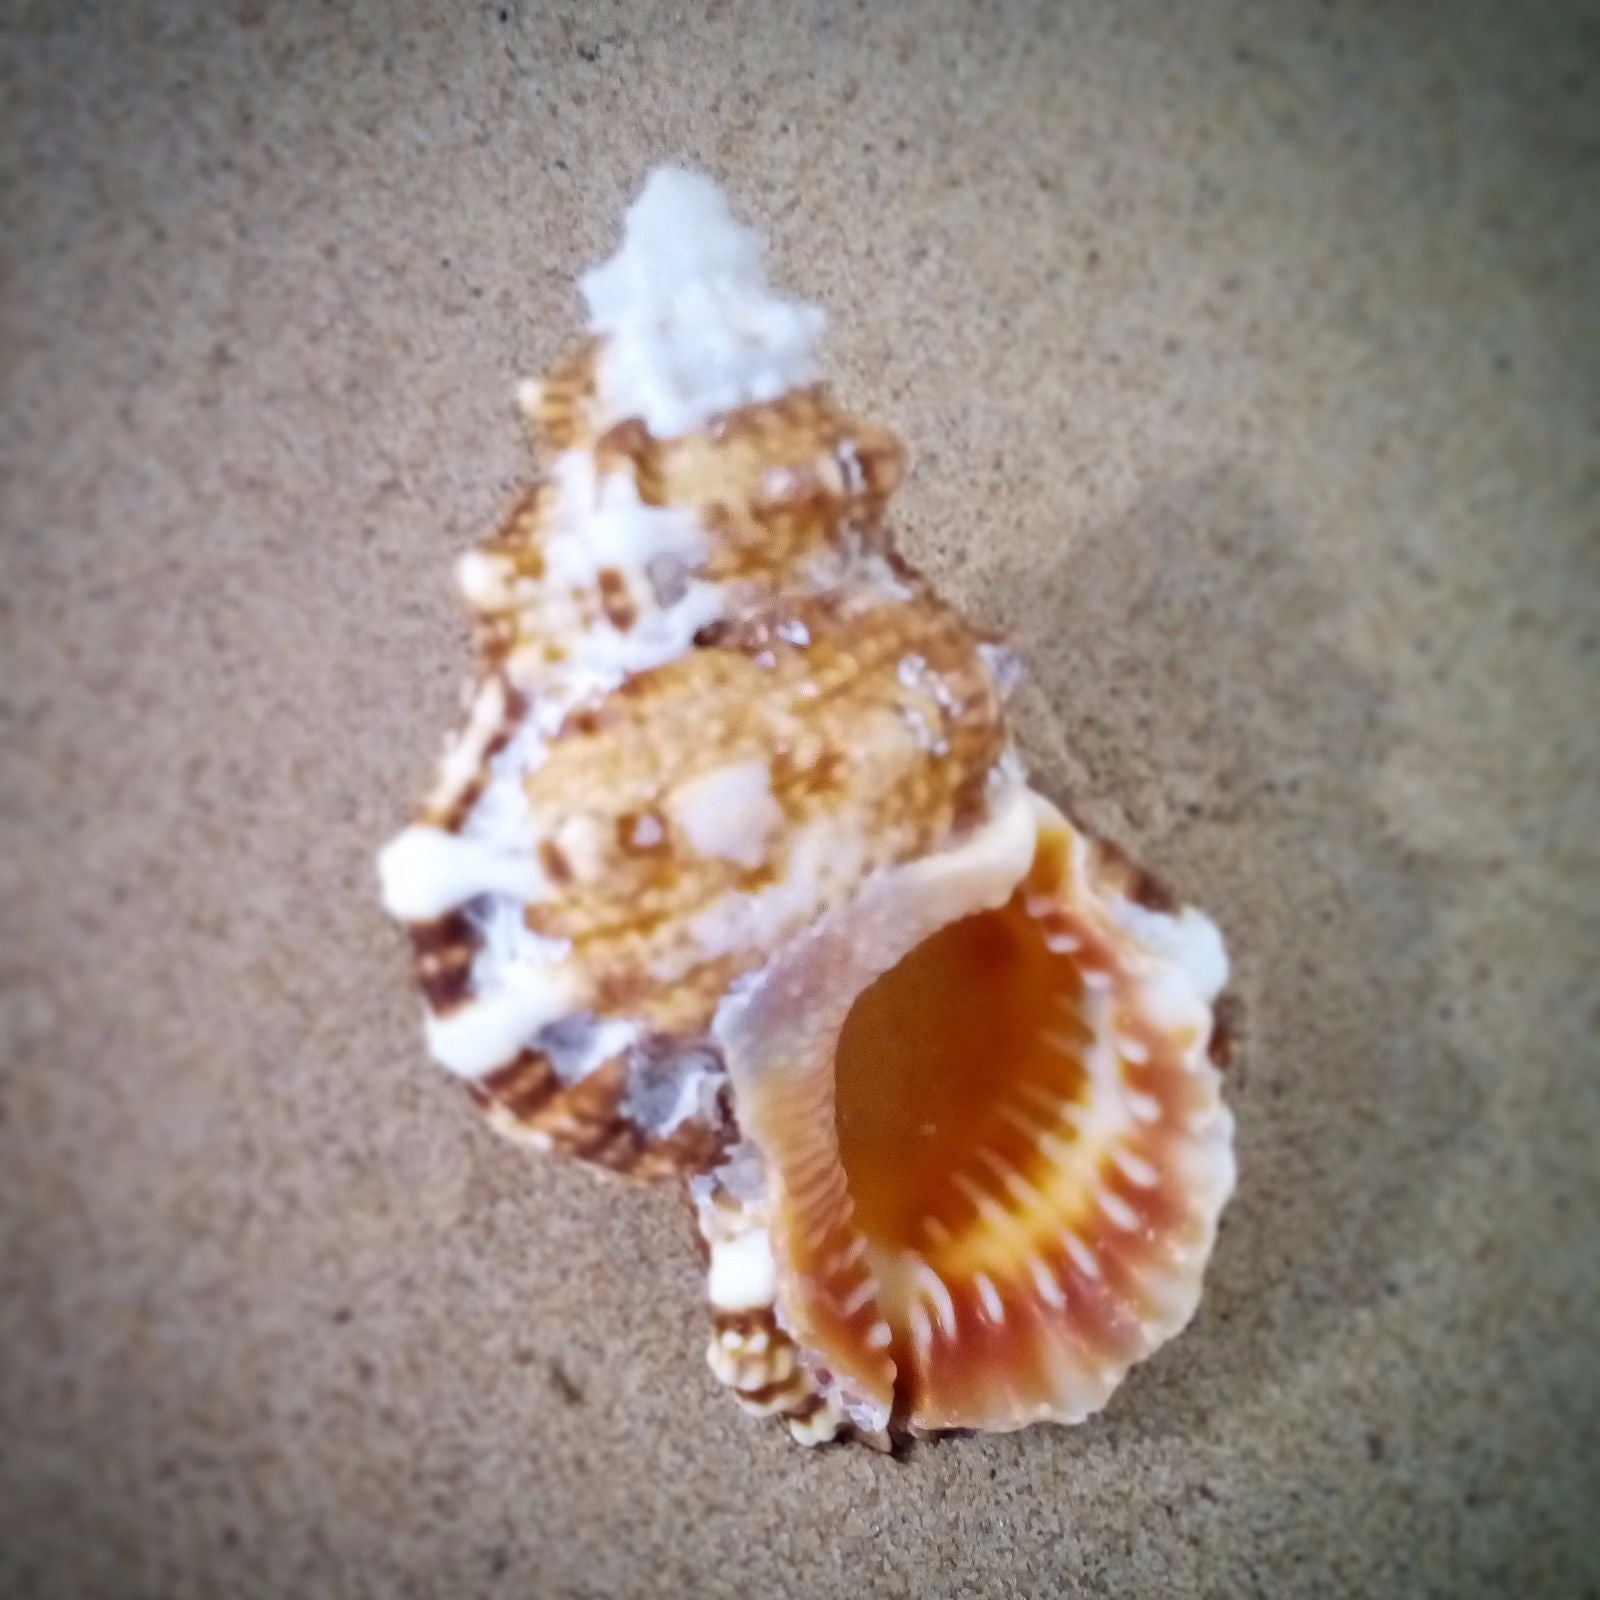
1188	699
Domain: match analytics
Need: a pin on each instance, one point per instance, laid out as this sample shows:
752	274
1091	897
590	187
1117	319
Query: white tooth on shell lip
1082	1257
1137	1170
1144	1107
990	1296
1045	1282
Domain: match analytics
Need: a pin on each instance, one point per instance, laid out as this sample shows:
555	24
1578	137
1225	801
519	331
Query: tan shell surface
781	490
779	477
868	764
800	656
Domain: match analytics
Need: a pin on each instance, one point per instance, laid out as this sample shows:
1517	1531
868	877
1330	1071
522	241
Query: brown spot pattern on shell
854	754
558	408
776	480
529	1104
805	669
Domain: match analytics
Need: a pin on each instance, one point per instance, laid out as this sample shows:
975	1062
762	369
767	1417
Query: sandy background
1250	360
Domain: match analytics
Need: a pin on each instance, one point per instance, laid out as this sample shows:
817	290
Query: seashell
732	872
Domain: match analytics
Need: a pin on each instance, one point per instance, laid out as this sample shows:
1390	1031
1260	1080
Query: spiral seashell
732	872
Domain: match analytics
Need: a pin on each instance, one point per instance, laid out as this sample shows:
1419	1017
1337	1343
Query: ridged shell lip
995	1142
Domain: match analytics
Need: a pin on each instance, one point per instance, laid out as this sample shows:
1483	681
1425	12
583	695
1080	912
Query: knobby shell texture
732	871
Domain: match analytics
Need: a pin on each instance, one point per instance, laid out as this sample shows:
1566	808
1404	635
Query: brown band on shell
806	1407
1115	868
553	859
560	415
442	953
453	815
524	1087
742	1324
693	1147
494	637
762	1366
517	538
615	600
630	447
528	1099
1227	1025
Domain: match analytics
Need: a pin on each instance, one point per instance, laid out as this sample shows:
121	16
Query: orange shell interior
999	1192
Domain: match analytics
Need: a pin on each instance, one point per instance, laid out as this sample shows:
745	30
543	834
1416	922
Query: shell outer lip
771	1083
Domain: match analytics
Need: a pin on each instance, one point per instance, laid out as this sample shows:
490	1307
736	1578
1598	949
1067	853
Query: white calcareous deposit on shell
729	812
733	872
690	324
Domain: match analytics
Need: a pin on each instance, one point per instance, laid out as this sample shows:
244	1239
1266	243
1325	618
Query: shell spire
732	872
